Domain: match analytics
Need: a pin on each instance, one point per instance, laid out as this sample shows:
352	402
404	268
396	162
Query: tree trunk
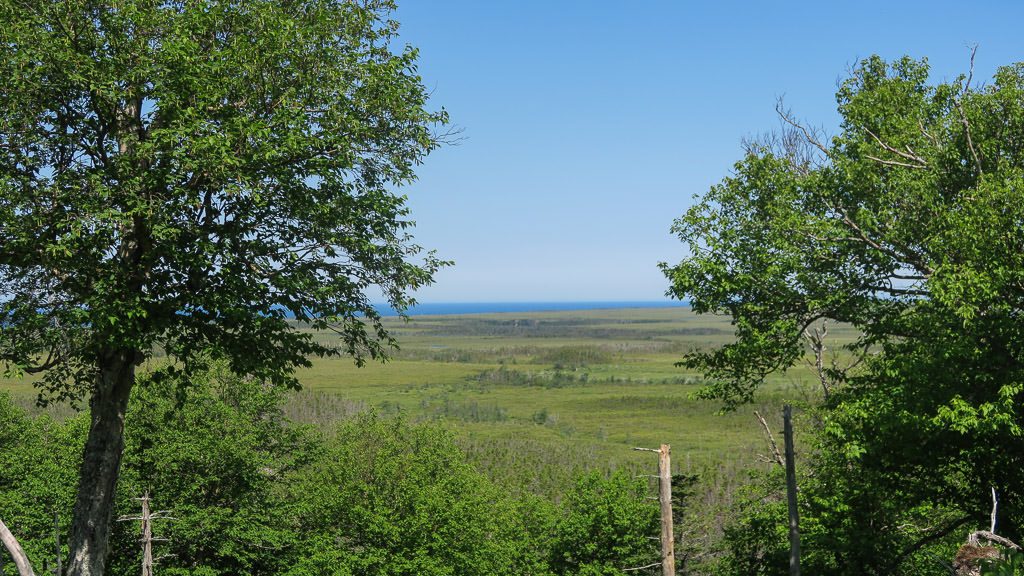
668	554
101	464
794	514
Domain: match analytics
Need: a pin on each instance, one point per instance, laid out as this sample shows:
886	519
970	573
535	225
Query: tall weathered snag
184	176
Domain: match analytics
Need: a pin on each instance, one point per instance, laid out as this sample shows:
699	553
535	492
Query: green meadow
535	398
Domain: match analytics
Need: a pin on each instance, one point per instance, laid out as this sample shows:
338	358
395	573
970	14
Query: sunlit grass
536	397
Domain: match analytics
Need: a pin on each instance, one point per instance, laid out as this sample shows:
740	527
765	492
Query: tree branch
906	257
909	155
52	359
17	553
899	291
974	537
807	133
895	162
771	440
655	565
963	113
921	543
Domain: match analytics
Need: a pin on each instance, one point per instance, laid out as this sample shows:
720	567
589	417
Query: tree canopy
914	206
184	177
188	174
907	225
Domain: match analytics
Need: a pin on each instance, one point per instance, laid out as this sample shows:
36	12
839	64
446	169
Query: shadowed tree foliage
183	176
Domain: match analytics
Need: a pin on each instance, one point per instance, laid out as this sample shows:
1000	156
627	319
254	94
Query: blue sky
590	125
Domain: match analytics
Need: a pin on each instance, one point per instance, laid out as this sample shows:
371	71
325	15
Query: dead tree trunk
668	555
147	538
794	516
11	543
101	463
56	544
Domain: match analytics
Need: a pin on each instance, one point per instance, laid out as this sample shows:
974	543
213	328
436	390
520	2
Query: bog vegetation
537	416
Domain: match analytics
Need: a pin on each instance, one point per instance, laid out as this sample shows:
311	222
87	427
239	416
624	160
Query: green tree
906	225
389	498
183	176
37	479
605	525
218	455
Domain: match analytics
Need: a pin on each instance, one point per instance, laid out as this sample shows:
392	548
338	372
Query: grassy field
534	398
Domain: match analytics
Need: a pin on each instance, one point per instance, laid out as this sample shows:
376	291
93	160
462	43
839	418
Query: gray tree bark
94	505
794	515
668	554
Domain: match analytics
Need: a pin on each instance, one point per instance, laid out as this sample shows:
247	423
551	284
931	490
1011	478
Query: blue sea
445	308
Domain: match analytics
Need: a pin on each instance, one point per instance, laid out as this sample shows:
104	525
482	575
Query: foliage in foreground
907	226
186	176
251	493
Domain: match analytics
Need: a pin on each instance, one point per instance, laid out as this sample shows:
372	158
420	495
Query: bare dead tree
995	508
834	372
146	538
668	556
794	515
56	544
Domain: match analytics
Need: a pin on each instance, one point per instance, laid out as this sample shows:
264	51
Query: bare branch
909	155
894	162
11	543
927	134
995	507
963	114
974	537
771	441
787	142
655	565
816	338
788	119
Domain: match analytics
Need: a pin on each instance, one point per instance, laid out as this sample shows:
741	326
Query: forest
201	216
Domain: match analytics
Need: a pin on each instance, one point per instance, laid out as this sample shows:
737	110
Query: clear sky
590	125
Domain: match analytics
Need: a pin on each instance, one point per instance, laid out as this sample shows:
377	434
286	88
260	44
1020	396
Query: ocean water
444	308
